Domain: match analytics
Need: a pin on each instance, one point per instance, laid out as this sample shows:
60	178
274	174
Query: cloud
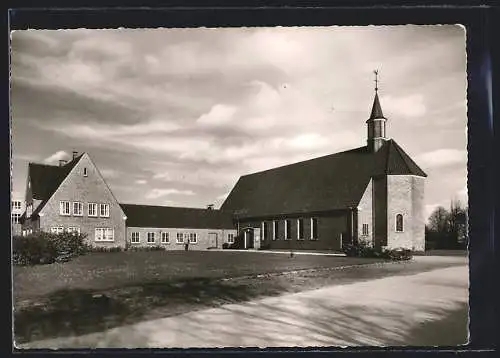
219	114
158	193
141	181
442	157
401	107
54	158
109	173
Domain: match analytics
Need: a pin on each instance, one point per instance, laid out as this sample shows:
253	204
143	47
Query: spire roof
376	108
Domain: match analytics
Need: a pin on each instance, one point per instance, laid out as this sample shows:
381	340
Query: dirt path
378	312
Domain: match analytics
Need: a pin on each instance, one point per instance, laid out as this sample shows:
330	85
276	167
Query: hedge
45	248
362	249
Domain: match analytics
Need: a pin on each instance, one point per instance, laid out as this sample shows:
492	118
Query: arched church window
399	222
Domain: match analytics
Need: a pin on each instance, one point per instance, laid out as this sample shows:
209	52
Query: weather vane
376	80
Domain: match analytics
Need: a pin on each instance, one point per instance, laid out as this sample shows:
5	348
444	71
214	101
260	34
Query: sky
175	116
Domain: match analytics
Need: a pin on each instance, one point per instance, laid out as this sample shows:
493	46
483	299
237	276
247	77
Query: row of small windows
61	229
287	234
181	238
67	208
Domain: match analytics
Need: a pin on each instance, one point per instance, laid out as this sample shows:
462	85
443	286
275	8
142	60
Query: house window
164	238
399	223
104	210
275	230
73	230
288	229
92	209
180	238
186	237
135	238
85	172
230	238
193	239
16	205
104	234
77	209
29	210
57	230
15	218
365	230
314	228
64	208
300	229
151	237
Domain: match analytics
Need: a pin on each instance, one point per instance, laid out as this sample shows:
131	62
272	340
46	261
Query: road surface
380	312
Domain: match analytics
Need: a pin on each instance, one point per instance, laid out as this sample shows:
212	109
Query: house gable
84	184
89	188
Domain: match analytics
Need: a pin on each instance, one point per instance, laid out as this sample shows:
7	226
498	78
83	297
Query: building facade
373	194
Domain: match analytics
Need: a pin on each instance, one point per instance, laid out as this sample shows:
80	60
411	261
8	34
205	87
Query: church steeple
376	122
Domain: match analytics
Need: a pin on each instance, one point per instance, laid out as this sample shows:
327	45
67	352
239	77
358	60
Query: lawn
98	271
104	290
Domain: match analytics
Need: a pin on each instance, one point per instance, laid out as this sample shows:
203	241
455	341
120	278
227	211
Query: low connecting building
374	194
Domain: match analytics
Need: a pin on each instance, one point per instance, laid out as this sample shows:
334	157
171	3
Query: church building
373	194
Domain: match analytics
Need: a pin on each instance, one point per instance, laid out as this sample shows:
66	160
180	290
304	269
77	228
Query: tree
439	221
447	229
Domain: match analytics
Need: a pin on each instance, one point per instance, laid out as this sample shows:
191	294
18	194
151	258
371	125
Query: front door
212	239
248	238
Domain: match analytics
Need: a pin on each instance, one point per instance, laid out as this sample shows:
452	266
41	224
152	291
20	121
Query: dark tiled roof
332	182
376	109
45	179
176	217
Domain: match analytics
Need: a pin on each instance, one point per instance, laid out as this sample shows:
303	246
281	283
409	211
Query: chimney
210	206
62	162
75	153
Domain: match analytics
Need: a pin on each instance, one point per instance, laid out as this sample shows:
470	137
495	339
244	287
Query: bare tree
439	220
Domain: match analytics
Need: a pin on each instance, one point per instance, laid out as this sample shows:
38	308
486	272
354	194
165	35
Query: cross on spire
376	80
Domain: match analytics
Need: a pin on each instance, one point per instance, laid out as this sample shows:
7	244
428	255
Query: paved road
379	312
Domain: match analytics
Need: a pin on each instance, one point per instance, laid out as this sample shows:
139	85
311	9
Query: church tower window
399	223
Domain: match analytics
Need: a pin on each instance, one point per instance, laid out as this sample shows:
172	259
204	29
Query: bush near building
362	249
45	248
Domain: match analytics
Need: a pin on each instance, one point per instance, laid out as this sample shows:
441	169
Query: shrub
147	248
225	245
362	249
399	254
46	248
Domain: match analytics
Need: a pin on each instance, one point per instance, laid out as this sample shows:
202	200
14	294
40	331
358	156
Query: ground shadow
78	311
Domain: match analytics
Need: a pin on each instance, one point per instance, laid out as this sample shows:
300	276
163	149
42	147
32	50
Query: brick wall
205	237
365	214
418	192
380	211
405	196
93	189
